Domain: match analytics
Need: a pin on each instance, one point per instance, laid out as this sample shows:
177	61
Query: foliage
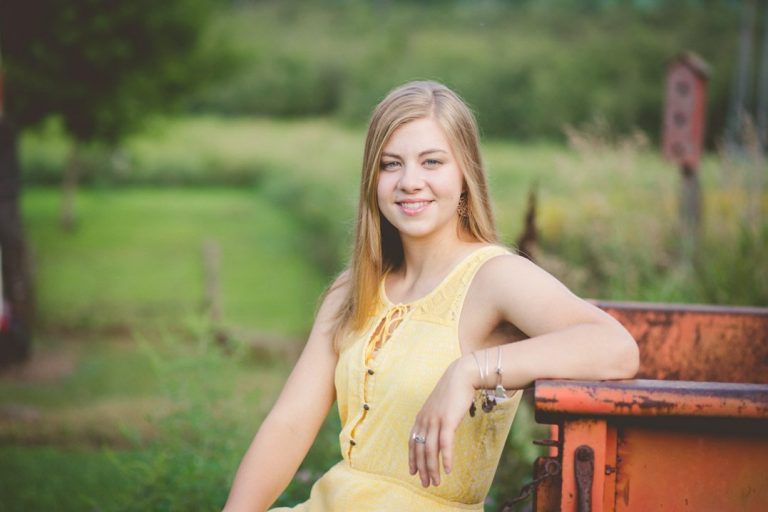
188	466
57	478
527	68
594	200
102	67
178	455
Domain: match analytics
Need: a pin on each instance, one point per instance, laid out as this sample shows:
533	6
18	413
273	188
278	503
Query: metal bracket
584	466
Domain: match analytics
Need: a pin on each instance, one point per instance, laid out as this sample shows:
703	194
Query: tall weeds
620	235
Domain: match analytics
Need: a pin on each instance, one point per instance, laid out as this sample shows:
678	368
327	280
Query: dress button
366	406
352	442
370	371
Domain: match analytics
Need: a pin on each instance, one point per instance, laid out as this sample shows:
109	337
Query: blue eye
431	162
389	165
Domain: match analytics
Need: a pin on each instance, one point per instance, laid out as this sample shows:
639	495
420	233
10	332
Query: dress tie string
384	330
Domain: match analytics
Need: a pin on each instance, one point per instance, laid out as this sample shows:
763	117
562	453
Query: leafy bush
527	68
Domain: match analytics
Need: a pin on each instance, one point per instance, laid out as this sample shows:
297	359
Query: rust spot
625	494
650	403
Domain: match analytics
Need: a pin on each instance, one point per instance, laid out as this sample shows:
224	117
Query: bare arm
569	339
290	428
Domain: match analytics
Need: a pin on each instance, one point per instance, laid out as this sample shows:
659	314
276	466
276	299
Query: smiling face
420	182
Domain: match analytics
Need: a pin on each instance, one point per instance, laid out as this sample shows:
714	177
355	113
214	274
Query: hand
438	420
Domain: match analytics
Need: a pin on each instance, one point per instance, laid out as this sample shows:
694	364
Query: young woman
413	339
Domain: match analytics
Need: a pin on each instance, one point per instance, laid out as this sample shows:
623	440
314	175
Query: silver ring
419	439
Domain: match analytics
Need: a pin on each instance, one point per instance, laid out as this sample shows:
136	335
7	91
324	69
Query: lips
413	207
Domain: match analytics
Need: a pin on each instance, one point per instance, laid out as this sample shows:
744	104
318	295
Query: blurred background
178	182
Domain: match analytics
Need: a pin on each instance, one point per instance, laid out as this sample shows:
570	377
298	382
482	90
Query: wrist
471	371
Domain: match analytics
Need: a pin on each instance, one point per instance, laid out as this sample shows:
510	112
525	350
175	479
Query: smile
413	207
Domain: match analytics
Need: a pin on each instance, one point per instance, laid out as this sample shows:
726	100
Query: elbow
627	362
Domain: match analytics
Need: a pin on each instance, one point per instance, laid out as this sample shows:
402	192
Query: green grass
97	442
100	371
52	478
136	258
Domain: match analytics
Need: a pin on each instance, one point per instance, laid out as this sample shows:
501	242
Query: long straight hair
377	244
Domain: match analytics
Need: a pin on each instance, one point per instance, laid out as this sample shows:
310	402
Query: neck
427	257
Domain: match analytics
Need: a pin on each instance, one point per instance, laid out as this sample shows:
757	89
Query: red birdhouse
685	109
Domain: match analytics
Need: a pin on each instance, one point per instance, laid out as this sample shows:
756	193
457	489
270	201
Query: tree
102	67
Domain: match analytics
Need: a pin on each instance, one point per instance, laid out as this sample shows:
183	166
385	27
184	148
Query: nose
411	179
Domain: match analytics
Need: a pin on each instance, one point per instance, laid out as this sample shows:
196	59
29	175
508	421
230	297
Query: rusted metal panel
547	495
663	470
609	491
650	398
698	343
696	441
592	433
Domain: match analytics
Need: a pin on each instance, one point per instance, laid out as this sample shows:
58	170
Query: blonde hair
377	245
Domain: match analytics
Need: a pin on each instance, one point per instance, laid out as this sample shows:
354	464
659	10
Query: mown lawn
136	259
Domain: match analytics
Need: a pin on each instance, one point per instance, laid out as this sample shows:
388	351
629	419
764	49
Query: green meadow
131	403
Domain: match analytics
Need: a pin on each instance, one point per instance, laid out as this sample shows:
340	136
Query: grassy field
136	258
128	404
158	422
607	205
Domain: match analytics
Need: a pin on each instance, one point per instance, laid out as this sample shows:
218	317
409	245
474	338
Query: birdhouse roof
692	61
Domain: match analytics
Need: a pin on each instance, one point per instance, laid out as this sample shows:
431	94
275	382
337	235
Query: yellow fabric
392	368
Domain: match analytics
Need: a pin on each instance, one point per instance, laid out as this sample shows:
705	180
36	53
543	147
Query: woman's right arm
290	428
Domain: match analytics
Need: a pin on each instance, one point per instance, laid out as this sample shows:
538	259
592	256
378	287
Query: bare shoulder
332	301
336	293
498	271
531	298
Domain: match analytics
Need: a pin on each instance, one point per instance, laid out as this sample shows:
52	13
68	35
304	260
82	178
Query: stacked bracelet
489	399
500	393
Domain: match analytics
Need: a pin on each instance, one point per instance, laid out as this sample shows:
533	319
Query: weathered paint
670	445
609	490
546	497
576	433
651	398
659	469
699	343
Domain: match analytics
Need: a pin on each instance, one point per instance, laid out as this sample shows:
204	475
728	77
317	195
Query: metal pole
2	80
740	91
690	212
762	98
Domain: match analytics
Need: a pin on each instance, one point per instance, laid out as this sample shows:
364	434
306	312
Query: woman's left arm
568	339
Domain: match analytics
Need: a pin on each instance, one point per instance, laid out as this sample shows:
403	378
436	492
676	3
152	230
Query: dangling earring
463	208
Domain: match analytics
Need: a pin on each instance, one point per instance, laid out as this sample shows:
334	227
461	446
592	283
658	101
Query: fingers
412	466
417	459
424	458
421	461
431	454
446	449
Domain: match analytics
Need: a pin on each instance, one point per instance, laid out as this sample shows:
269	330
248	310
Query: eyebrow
426	152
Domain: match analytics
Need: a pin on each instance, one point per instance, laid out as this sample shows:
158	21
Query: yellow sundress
382	380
